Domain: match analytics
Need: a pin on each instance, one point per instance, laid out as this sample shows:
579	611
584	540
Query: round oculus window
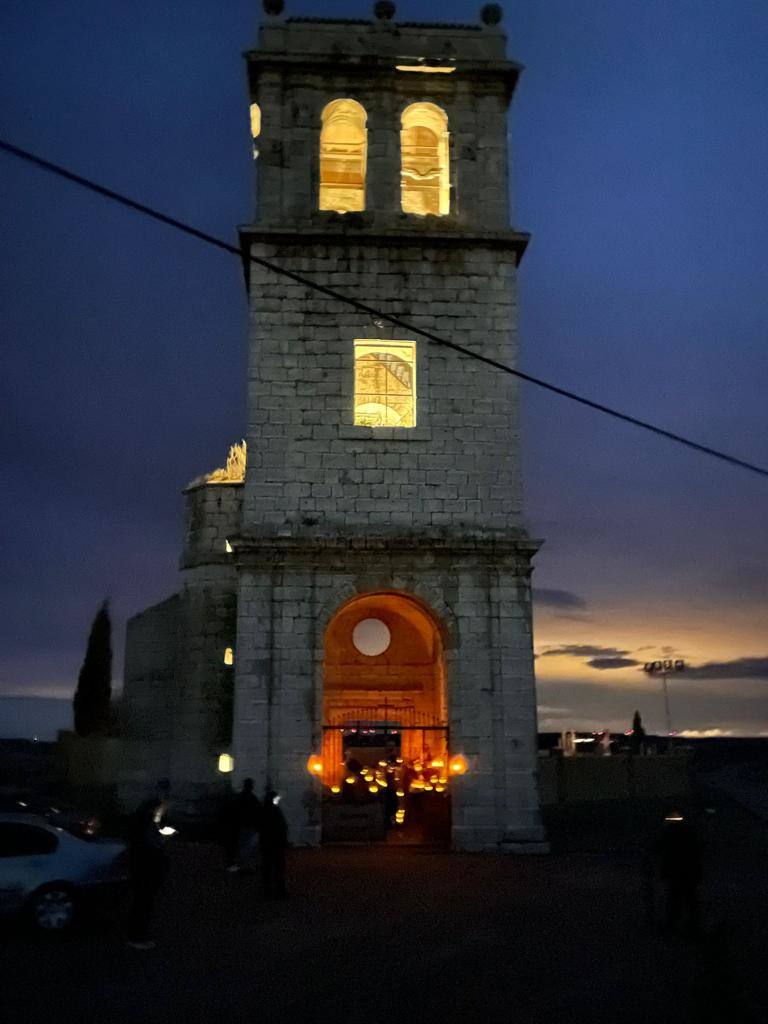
371	637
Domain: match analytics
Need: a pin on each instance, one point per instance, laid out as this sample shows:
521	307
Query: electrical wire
362	307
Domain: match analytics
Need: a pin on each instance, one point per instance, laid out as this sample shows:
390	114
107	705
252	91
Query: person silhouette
680	863
239	824
273	843
148	867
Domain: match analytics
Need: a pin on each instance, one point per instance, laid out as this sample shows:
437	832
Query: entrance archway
385	723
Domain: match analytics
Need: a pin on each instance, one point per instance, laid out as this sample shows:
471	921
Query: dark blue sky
641	167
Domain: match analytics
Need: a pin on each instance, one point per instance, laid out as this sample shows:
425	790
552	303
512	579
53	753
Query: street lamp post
662	668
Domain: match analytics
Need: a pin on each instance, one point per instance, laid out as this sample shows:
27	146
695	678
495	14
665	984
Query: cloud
612	662
583	651
705	734
739	668
551	598
546	709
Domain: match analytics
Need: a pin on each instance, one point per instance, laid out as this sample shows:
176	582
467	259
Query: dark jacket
273	834
680	861
147	857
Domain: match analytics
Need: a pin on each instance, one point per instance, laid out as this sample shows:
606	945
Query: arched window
424	179
343	152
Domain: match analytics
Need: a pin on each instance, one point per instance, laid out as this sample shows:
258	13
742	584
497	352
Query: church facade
354	625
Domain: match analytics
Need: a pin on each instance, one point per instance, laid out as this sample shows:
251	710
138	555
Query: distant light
424	68
400	792
227	547
34	739
373	788
458	765
276	799
226	763
22	803
674	817
335	789
428	788
350	780
314	764
166	830
229	656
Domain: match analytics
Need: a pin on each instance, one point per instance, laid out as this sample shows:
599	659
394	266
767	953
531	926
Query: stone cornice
419	548
354	230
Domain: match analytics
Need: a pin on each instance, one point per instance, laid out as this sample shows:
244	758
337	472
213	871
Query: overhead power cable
362	307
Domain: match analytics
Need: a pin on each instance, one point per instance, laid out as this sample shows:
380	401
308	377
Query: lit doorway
385	724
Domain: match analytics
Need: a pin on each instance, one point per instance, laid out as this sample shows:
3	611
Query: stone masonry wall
309	466
339	61
205	684
478	597
178	694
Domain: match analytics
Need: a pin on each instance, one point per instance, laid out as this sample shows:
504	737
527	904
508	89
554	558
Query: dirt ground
377	934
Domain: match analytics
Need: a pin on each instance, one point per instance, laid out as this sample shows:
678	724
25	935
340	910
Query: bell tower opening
385	754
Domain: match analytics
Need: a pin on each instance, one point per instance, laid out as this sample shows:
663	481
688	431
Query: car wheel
53	909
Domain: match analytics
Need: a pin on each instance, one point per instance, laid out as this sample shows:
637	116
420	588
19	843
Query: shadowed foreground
381	934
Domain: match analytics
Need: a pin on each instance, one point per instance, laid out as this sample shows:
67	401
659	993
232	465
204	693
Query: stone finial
274	8
384	10
491	14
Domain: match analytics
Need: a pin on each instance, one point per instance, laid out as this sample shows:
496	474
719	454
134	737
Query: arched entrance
385	723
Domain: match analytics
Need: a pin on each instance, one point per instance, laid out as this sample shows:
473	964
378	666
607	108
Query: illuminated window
424	179
343	153
385	383
229	656
255	127
255	120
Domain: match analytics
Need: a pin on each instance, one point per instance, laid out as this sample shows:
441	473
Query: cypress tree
94	684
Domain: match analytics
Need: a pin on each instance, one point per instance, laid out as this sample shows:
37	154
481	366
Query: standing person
681	871
148	867
273	842
240	822
248	810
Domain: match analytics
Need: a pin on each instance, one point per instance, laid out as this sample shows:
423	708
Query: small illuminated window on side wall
343	156
385	383
229	656
255	127
425	173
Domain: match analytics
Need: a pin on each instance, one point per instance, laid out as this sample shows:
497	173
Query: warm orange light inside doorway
396	698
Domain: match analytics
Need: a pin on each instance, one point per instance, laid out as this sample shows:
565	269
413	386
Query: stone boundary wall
566	780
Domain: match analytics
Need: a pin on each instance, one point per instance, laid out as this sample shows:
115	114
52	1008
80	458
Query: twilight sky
641	167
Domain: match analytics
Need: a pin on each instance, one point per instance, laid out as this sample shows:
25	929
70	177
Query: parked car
47	873
80	823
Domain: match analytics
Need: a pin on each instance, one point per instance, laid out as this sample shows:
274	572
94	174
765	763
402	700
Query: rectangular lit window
385	383
229	656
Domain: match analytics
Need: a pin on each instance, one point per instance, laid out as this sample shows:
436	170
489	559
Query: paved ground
380	934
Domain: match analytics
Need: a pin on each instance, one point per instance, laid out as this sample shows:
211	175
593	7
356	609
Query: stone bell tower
383	479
